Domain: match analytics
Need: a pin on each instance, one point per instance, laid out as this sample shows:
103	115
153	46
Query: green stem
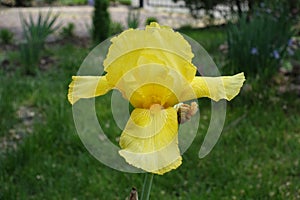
147	186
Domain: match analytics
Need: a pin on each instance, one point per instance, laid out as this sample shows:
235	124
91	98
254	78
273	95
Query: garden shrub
115	28
30	54
39	30
101	21
125	2
8	2
133	18
6	36
258	44
49	1
72	2
151	19
68	31
35	33
23	3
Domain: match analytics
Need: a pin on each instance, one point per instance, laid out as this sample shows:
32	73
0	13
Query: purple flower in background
254	51
276	54
91	2
262	4
290	52
268	10
290	42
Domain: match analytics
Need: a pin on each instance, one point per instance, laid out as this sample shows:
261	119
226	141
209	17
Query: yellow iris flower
153	69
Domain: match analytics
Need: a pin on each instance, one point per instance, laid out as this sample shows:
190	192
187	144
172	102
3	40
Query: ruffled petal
150	140
87	87
155	44
216	88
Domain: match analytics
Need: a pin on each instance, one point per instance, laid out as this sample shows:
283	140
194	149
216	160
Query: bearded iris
153	70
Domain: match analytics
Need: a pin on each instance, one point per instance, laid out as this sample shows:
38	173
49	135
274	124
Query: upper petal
155	44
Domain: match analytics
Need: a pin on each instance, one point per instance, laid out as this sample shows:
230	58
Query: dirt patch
27	116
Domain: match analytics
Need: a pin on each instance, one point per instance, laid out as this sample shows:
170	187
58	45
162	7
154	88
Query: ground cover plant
42	157
6	36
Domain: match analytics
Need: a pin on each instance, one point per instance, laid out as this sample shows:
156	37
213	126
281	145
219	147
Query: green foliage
125	2
68	31
72	2
35	33
50	1
115	28
133	18
258	46
101	21
21	3
210	38
6	36
39	30
30	54
151	19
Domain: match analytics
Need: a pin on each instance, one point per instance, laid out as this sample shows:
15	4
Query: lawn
42	157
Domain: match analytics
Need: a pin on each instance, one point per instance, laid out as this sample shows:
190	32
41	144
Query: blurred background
44	42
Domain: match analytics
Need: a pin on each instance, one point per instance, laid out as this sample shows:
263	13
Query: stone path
81	17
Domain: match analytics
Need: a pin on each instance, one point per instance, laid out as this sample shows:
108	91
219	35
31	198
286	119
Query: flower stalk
147	186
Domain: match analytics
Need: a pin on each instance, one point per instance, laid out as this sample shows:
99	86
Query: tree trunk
250	7
141	3
238	4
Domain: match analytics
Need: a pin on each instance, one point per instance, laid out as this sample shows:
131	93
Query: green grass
210	39
257	156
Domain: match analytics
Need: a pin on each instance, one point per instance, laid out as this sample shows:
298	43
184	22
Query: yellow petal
87	87
152	84
150	140
216	88
155	44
